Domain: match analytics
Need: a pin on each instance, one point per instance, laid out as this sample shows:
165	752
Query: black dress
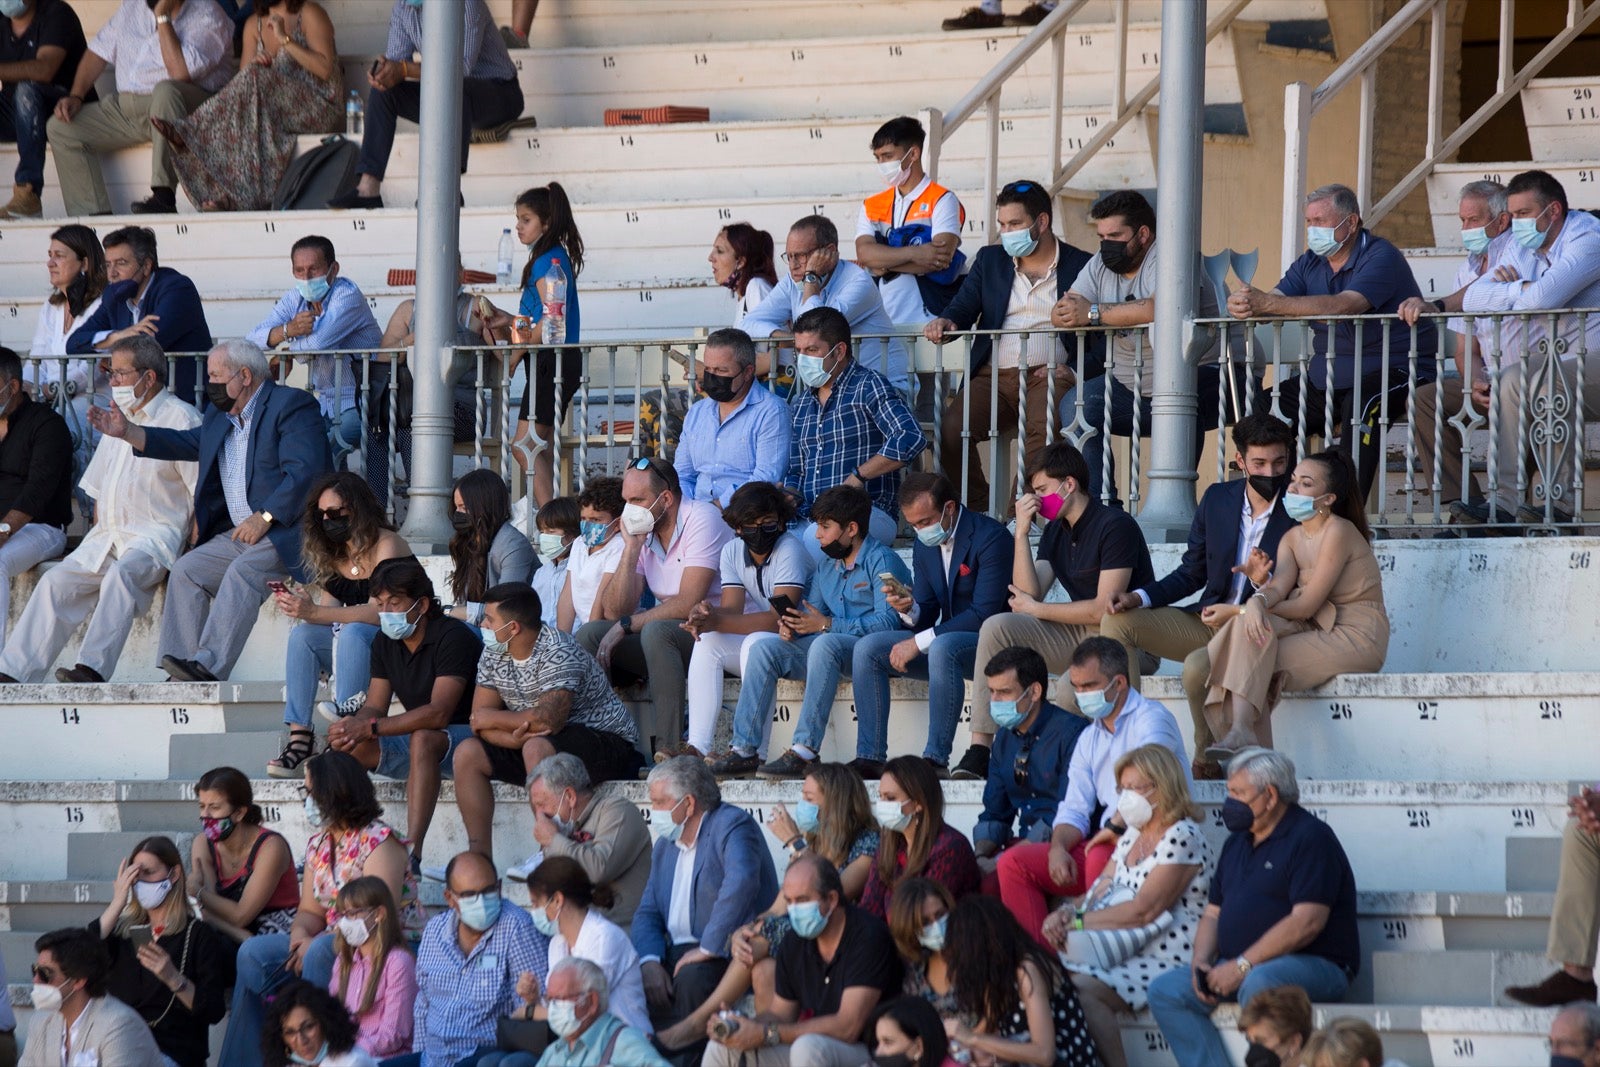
1074	1046
206	958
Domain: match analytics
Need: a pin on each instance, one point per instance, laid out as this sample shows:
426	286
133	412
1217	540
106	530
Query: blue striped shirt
459	997
235	466
484	54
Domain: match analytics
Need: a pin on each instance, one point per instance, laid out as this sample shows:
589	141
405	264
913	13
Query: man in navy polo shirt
1348	270
1282	912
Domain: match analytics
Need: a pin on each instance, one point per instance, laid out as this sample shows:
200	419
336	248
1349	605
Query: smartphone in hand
278	586
140	936
782	604
896	586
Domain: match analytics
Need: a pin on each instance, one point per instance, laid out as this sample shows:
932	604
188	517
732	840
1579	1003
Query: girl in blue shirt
545	225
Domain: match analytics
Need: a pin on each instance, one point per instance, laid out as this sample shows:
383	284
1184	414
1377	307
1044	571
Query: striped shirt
459	997
235	466
558	662
483	55
131	43
1028	309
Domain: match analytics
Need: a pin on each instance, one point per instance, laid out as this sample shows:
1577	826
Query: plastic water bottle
553	290
502	263
354	115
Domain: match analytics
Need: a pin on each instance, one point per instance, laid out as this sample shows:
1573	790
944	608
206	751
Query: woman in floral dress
232	151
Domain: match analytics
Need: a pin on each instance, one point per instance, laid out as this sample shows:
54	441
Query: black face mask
1258	1055
1118	259
461	521
1268	486
762	539
337	530
718	387
217	393
899	1059
837	549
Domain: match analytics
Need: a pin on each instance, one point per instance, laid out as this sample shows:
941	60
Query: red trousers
1025	885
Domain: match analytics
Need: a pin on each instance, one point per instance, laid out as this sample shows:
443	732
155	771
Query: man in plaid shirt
851	427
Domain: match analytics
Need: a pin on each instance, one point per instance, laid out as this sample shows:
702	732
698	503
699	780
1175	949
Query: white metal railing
1302	104
986	95
1527	442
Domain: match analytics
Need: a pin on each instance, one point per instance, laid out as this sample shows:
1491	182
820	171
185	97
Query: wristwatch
1094	314
1244	966
373	726
5	528
268	516
772	1038
626	622
812	278
163	20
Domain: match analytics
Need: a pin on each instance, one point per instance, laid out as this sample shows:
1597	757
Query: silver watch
1094	314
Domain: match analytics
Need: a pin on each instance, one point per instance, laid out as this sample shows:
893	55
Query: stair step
1456	977
1563	117
1580	177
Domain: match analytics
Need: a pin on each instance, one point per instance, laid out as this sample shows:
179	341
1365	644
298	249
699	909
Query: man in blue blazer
992	298
684	938
1233	541
145	297
961	574
260	446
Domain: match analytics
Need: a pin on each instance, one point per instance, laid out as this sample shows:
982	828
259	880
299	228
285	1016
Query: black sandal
296	751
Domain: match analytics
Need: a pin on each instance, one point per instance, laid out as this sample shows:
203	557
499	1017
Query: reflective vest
917	229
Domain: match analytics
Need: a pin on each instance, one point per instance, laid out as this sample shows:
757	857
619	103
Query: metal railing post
427	525
1174	406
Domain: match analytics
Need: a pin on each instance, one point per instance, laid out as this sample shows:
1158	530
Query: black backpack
317	176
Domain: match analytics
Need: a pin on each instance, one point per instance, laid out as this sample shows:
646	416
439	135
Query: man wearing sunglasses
74	1020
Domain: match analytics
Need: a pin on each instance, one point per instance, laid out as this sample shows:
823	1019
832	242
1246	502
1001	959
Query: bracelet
1261	596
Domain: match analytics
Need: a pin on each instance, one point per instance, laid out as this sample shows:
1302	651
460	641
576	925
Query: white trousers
23	551
66	595
810	1050
715	655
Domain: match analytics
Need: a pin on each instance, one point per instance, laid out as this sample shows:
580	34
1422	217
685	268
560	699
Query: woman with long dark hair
919	922
165	964
565	907
307	1025
907	1032
242	874
914	839
1013	1001
486	549
344	535
741	260
76	265
1320	616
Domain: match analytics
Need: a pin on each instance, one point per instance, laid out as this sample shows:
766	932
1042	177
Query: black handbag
521	1035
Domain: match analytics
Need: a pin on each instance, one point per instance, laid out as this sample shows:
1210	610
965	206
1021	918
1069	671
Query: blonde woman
374	973
165	964
1161	867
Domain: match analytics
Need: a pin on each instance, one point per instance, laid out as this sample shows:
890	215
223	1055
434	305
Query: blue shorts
395	758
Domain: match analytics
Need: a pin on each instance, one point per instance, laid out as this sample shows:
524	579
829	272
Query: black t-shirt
182	1033
1103	539
54	24
866	957
449	649
1301	862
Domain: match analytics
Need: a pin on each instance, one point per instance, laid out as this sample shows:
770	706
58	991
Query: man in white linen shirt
1553	262
169	56
142	511
1121	721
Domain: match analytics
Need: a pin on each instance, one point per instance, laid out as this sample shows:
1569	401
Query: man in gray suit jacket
69	997
683	938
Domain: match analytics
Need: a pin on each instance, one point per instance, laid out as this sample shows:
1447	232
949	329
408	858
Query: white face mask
552	546
889	814
354	930
126	397
46	997
151	894
637	520
1134	809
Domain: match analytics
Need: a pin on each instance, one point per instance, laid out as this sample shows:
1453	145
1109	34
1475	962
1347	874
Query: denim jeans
260	971
25	107
1185	1020
1093	393
819	660
312	650
414	1059
946	666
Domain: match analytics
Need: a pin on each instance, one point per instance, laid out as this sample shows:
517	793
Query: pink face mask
1050	505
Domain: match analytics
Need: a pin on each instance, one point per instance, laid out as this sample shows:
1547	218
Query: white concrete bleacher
1446	775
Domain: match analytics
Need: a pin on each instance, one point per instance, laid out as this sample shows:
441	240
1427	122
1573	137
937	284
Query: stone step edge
147	693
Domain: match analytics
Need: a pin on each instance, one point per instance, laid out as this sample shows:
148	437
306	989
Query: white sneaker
521	872
334	712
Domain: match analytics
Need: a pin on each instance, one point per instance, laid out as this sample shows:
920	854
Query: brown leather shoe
24	204
1205	770
974	18
1556	991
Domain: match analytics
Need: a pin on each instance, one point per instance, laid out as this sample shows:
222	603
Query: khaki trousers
1174	634
119	121
1054	641
954	448
1446	394
1575	919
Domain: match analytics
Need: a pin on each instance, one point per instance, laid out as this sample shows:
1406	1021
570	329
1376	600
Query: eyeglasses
43	974
116	374
490	890
793	257
304	1031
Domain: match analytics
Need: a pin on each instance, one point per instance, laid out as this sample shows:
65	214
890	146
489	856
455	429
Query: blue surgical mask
542	921
1476	240
492	643
935	535
933	934
1526	231
12	8
414	3
397	625
1299	507
806	919
1018	243
1321	239
481	911
812	370
314	814
807	816
1095	704
322	1054
1006	714
595	533
662	828
313	289
563	1018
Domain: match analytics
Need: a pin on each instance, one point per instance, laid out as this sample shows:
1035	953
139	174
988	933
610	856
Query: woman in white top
741	259
1154	888
592	559
562	903
77	268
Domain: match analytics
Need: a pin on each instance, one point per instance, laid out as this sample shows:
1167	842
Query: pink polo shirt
697	540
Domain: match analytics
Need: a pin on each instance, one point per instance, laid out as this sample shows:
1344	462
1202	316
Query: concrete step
1466	979
1532	863
1562	116
1578	175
